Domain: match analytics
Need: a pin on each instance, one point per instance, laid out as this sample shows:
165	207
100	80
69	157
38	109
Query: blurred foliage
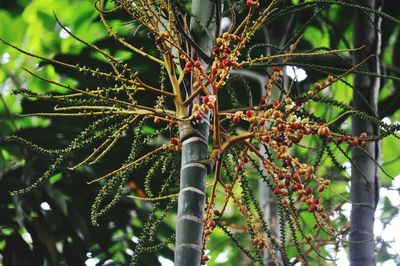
33	234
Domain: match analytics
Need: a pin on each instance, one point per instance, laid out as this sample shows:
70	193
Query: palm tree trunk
192	196
365	187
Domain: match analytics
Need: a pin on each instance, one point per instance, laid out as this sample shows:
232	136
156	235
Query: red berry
236	120
275	104
214	70
354	142
174	141
249	113
263	101
188	65
299	186
216	212
198	116
197	64
276	113
280	127
266	138
309	190
245	159
212	224
276	69
172	124
330	79
227	62
249	3
277	191
206	99
157	120
312	208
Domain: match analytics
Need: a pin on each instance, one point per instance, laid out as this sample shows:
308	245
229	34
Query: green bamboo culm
194	140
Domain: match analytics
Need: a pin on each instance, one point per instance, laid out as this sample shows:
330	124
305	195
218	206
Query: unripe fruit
330	79
363	136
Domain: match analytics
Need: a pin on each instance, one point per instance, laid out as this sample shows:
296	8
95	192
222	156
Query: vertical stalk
192	196
365	195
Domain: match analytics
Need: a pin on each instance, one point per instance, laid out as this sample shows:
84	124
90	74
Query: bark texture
365	189
194	139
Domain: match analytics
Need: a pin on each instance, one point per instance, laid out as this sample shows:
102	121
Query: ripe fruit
236	120
354	142
249	113
276	113
197	64
277	191
266	138
227	62
309	190
174	141
276	69
214	70
157	120
172	124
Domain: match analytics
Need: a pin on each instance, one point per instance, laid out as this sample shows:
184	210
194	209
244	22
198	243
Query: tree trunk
192	196
365	187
